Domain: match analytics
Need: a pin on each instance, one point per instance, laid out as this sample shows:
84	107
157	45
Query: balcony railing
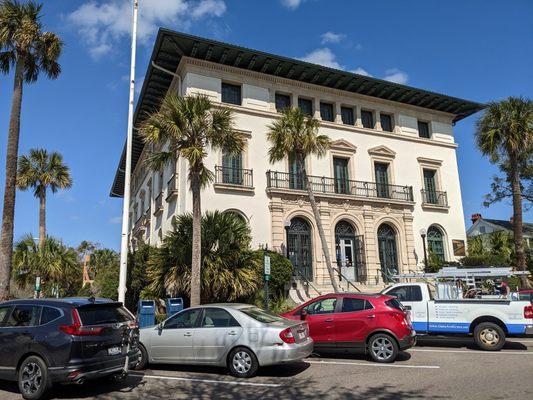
435	198
234	176
322	184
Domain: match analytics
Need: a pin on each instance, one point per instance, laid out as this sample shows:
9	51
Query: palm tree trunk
42	220
517	217
8	213
196	264
318	220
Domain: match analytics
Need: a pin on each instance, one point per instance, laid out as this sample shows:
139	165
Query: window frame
227	85
196	322
326	104
288	96
411	289
235	323
335	308
365	301
352	115
428	125
10	308
14	307
370	113
391	120
61	315
306	99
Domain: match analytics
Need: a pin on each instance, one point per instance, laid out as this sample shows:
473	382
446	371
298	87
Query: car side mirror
303	314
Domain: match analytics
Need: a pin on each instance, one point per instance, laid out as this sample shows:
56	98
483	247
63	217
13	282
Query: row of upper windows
232	94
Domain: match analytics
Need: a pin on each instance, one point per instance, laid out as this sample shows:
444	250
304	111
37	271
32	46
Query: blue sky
478	50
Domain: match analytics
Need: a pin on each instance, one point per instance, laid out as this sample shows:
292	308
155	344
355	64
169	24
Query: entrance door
340	170
382	179
299	247
349	252
430	186
388	256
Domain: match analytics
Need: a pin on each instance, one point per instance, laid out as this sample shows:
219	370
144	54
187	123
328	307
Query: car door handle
187	334
232	333
329	320
371	316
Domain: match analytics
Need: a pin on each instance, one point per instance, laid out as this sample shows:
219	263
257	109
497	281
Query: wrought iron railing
435	197
234	176
322	184
345	280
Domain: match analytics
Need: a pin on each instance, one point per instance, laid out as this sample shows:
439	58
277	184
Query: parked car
240	337
47	341
372	323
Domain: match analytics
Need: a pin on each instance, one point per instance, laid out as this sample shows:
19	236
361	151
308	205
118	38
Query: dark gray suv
47	341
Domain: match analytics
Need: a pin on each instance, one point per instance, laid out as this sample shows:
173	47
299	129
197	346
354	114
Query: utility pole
127	172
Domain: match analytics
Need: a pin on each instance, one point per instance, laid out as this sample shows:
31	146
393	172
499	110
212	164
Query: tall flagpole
127	172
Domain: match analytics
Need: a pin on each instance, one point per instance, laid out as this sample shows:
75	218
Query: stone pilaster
278	229
338	113
409	244
358	121
372	257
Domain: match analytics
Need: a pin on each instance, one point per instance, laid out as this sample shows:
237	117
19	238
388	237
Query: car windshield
261	315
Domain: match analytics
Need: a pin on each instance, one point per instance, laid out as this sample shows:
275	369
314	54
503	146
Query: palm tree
230	270
40	171
26	48
505	134
295	135
190	126
55	263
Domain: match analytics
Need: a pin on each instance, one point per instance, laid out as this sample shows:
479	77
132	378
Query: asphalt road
449	368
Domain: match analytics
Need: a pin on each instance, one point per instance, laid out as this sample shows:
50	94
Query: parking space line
213	381
512	353
373	364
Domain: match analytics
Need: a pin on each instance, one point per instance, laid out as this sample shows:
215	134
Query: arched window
388	254
238	214
349	252
299	246
435	239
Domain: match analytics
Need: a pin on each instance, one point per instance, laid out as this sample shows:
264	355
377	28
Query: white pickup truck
488	320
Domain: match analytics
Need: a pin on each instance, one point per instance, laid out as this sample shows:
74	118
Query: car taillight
287	336
528	312
402	318
77	329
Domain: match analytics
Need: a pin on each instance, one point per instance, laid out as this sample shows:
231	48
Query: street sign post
266	262
37	286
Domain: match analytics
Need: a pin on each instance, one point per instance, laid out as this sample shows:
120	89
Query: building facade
485	226
390	175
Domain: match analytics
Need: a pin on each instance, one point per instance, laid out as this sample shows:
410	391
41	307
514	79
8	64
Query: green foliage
485	260
137	278
501	244
107	273
55	263
476	246
280	272
434	263
229	268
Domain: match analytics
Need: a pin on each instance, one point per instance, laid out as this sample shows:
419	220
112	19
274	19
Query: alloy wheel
489	336
31	378
382	348
242	362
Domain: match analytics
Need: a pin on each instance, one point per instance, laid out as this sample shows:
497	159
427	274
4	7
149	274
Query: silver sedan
240	337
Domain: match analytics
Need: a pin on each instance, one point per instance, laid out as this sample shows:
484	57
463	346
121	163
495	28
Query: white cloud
332	37
396	76
323	56
103	24
361	71
292	4
115	220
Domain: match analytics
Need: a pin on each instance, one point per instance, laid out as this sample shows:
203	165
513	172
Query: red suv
375	323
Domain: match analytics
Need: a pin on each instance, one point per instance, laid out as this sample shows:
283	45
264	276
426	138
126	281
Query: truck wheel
489	336
383	348
33	380
242	363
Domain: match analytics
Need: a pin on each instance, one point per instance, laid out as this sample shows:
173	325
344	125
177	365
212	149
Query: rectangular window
386	122
326	111
347	116
340	171
423	129
231	94
306	106
430	186
282	101
24	315
296	180
382	179
352	305
367	119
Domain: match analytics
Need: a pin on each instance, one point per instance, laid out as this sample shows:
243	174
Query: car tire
382	348
143	359
489	336
33	378
242	363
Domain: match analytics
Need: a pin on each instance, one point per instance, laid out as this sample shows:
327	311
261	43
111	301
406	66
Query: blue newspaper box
146	313
174	305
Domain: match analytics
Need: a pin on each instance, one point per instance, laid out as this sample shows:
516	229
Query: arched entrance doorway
299	247
436	242
388	254
349	252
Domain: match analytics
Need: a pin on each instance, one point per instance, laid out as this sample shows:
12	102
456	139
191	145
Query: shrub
487	260
280	272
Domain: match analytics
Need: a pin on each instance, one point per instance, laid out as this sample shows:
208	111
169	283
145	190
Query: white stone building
391	173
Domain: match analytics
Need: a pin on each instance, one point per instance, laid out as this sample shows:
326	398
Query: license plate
301	335
113	351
